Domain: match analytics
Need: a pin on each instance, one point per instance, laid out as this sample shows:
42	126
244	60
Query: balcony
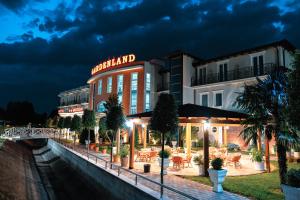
236	74
74	102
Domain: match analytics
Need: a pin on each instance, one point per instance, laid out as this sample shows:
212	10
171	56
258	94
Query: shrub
256	155
84	136
233	147
217	163
124	151
198	160
293	178
164	154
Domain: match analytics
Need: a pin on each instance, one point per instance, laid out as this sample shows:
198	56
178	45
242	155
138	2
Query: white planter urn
296	155
200	170
290	193
174	143
217	177
114	150
166	164
259	166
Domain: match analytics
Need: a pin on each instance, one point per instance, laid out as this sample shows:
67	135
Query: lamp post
130	126
206	147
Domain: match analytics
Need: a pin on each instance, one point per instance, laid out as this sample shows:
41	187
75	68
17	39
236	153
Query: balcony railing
238	73
74	102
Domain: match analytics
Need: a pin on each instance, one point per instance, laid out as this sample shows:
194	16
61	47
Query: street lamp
206	146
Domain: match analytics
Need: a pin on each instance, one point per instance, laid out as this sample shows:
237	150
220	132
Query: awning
193	110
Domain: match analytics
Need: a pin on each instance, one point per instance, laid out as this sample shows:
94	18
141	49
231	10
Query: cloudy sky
50	46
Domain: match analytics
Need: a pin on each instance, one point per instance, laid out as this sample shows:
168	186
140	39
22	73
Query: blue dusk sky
50	46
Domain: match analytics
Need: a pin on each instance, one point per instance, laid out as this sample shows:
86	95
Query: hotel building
212	83
73	102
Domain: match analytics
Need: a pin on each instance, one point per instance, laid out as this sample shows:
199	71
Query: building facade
73	102
213	82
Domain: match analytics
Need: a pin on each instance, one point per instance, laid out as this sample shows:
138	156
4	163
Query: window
258	65
202	75
218	99
133	98
120	88
100	87
109	84
100	106
148	92
223	72
204	99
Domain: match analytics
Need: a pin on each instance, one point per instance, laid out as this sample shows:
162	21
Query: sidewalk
197	190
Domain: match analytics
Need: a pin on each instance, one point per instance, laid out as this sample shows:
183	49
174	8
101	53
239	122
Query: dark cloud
84	35
13	4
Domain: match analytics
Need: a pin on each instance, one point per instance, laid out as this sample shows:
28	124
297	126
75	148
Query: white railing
24	132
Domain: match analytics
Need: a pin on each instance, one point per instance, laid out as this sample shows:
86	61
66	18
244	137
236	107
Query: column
225	135
131	154
206	151
188	135
144	129
258	140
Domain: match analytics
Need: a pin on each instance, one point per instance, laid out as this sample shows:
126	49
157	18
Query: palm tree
266	102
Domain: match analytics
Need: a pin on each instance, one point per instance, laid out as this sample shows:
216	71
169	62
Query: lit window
101	107
109	84
133	99
148	92
120	88
100	87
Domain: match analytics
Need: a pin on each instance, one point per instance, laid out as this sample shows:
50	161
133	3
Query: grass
261	186
1	142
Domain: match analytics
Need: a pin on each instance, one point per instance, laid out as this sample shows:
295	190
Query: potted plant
217	174
103	149
297	152
198	160
257	158
291	189
96	148
165	155
124	155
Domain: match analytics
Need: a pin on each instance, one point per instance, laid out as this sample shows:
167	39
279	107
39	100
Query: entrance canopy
192	113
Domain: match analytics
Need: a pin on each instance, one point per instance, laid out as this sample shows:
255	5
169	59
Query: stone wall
111	182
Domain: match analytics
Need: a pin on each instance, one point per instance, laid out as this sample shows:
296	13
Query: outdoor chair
187	160
142	156
152	155
177	162
235	160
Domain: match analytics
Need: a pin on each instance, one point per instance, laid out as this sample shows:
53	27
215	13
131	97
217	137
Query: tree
60	124
115	118
164	120
67	124
250	102
76	125
102	127
293	92
270	95
88	122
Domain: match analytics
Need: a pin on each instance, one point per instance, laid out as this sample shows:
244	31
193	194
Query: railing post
136	179
118	171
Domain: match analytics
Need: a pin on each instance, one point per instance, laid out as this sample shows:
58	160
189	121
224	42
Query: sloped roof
193	110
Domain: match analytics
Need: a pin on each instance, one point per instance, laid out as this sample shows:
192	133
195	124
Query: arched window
100	106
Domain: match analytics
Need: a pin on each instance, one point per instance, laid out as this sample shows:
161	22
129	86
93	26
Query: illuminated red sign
114	62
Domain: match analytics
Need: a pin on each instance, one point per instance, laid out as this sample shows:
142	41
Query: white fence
24	132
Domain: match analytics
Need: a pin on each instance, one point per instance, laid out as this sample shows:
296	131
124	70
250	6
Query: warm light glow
143	125
129	124
206	125
114	62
